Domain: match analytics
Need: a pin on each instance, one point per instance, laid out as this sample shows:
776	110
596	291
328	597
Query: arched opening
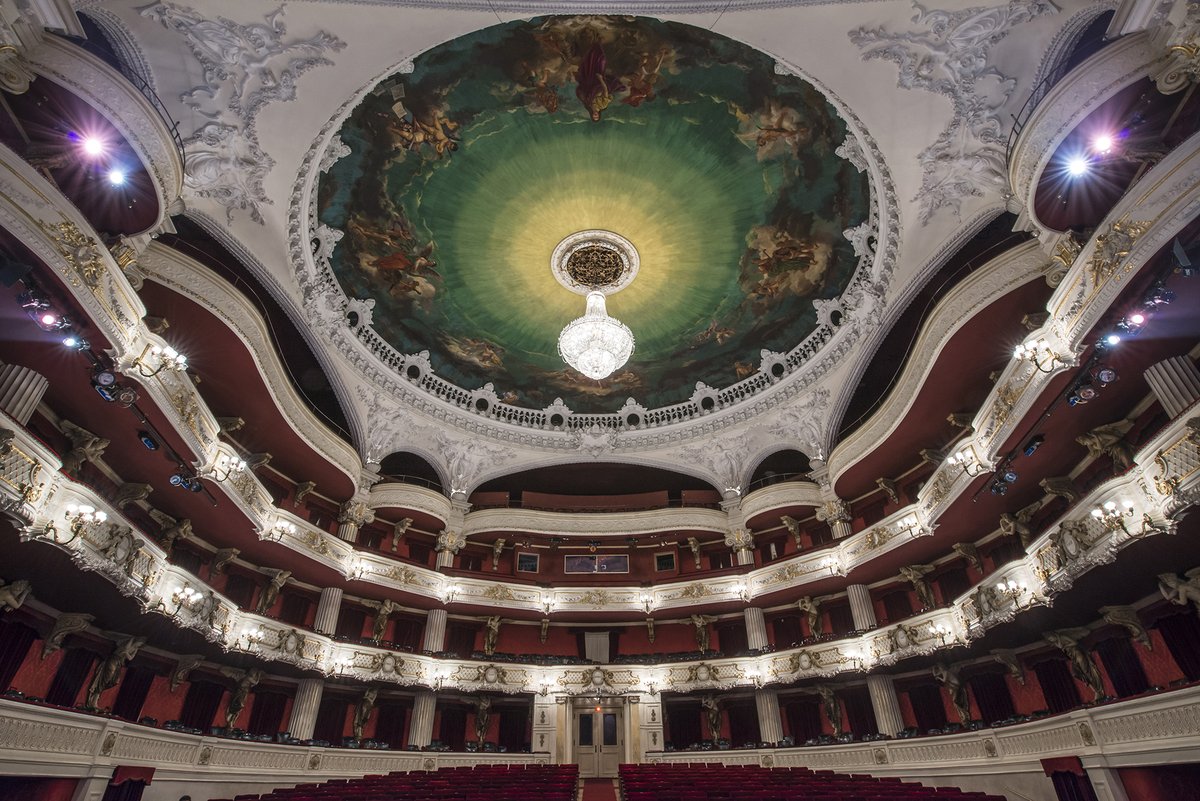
785	465
409	468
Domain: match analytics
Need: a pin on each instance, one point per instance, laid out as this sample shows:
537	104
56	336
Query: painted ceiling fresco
465	174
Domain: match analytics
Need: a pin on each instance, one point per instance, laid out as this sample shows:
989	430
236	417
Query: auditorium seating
472	783
710	782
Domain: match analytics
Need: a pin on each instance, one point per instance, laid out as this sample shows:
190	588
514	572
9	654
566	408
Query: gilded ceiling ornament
1112	247
80	251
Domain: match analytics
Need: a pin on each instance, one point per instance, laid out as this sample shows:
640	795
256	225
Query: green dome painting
464	175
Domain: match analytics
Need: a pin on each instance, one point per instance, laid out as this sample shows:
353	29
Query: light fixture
1014	590
1078	166
91	145
969	462
79	517
1112	516
280	529
250	635
1103	143
180	596
1038	354
224	467
595	344
184	479
168	359
941	631
116	177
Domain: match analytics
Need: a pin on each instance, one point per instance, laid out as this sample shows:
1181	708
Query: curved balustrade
131	108
1165	480
1069	102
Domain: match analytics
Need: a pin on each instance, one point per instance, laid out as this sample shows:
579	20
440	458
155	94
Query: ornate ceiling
398	180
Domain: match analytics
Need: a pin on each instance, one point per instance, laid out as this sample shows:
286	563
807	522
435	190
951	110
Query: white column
887	707
756	630
304	708
1107	783
770	727
353	515
744	556
861	608
328	608
1175	382
21	390
840	528
435	630
445	558
420	728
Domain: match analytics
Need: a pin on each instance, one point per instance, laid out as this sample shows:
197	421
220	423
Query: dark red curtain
992	696
804	719
514	728
240	590
460	639
350	622
927	706
859	712
683	723
1058	688
266	714
787	631
69	678
841	620
743	723
406	632
15	639
294	610
390	725
200	705
953	583
453	731
897	606
1181	632
1123	667
331	720
135	686
731	637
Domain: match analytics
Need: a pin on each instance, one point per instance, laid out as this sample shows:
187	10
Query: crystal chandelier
595	344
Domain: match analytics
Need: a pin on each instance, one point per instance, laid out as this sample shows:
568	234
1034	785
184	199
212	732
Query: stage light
1159	295
1033	444
48	320
1137	318
92	146
116	177
75	341
1106	375
1077	166
1103	143
1113	339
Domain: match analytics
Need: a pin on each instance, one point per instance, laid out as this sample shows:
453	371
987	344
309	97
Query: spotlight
1087	393
1033	444
116	177
1009	476
93	146
185	481
104	378
75	341
1135	319
999	488
1102	143
1159	295
1106	375
1077	166
148	441
1112	339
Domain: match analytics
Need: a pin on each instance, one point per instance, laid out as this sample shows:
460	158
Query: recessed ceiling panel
465	175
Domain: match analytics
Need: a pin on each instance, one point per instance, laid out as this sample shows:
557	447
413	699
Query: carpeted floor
598	790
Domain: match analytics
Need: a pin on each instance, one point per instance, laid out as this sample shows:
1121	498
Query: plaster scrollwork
851	151
245	67
948	55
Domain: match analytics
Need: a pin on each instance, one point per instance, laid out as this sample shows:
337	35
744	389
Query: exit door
598	742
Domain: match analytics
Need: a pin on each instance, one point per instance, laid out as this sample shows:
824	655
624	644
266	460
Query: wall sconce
544	689
280	529
78	517
547	604
856	659
1039	355
450	593
358	569
647	602
742	591
181	597
755	677
969	462
1112	517
167	357
250	636
224	467
342	666
832	564
941	631
1015	591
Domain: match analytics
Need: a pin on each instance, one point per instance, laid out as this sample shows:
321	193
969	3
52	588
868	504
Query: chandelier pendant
595	344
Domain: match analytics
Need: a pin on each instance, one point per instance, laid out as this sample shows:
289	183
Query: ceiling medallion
595	261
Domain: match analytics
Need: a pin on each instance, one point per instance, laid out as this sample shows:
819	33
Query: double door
598	742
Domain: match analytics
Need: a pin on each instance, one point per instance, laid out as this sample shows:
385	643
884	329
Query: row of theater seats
709	782
473	783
